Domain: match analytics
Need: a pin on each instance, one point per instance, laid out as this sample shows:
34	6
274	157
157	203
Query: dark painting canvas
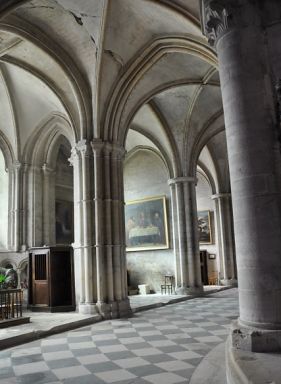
146	224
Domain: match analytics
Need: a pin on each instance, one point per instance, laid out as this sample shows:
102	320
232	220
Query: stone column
24	205
85	279
247	92
187	243
14	203
109	230
176	242
48	199
99	175
225	237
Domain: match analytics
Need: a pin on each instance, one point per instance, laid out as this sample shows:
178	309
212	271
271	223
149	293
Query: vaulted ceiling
109	67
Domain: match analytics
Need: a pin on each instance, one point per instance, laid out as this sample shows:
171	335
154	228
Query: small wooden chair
213	278
167	287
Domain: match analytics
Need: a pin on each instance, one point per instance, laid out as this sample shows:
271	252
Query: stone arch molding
6	261
76	100
153	151
114	128
7	150
207	175
40	148
212	127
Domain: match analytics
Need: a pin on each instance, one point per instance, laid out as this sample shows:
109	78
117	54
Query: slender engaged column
98	148
48	198
24	205
175	229
16	206
225	235
250	120
83	236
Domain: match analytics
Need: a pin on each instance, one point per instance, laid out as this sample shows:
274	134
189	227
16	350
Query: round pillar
247	90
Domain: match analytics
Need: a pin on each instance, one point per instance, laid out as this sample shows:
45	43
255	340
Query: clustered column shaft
100	245
186	245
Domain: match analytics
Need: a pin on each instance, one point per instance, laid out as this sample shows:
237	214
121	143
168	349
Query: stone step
211	370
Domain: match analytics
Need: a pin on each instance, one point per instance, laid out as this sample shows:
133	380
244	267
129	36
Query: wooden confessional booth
51	279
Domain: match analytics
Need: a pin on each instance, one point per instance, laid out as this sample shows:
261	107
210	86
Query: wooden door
40	284
204	267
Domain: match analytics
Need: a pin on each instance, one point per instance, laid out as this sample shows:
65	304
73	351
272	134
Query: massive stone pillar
99	229
185	231
225	238
236	28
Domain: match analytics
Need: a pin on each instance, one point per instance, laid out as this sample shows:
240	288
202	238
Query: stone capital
47	170
118	150
217	17
97	146
184	179
74	156
83	146
218	196
17	165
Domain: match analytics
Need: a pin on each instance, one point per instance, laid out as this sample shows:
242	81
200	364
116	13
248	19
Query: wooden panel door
40	288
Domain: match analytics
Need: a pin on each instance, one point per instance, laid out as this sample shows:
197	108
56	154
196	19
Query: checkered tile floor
159	346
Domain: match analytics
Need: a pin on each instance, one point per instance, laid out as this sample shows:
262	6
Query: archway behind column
145	177
64	222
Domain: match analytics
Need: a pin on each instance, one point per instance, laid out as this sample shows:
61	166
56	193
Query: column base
88	309
115	309
251	368
189	290
181	291
255	339
198	291
104	310
229	282
124	308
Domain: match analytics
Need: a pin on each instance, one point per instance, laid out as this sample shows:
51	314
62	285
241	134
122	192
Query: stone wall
145	175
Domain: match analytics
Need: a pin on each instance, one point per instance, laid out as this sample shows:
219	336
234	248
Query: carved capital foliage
80	150
74	156
83	146
217	17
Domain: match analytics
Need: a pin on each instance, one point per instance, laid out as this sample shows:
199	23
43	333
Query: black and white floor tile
158	346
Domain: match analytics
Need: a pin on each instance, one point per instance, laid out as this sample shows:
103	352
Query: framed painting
64	222
146	224
204	227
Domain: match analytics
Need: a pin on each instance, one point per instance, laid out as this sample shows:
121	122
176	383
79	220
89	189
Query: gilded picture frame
146	224
204	227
